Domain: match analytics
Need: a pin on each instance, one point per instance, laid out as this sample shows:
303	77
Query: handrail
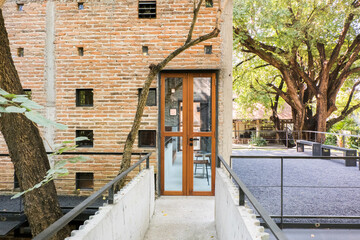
297	157
83	153
244	191
64	220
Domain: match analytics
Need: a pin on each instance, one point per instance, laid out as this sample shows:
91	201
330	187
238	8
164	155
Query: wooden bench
316	147
325	151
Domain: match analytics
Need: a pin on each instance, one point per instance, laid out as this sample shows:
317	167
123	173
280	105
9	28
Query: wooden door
188	134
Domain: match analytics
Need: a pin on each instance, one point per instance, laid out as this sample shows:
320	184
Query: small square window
84	97
80	51
145	50
209	3
16	181
87	143
28	93
20	52
208	49
147	9
84	181
147	138
81	6
20	7
151	100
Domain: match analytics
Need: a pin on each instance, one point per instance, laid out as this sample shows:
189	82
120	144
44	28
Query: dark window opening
20	52
209	3
151	100
85	133
147	9
145	50
28	93
147	138
208	49
80	51
16	181
20	7
81	6
84	181
84	97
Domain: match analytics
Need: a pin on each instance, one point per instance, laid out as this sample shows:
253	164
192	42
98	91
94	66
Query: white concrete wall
128	217
234	221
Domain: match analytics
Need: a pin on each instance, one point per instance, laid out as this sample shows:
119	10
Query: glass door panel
202	164
202	104
173	104
173	164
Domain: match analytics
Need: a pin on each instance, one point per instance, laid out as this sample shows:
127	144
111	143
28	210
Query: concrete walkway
183	218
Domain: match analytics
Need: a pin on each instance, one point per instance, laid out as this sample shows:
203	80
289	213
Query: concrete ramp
183	218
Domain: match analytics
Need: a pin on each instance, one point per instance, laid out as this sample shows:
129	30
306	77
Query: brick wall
113	65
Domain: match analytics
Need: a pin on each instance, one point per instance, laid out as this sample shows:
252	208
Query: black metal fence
335	178
244	192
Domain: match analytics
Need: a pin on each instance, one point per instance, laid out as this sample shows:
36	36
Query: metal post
147	162
286	137
241	197
282	193
111	195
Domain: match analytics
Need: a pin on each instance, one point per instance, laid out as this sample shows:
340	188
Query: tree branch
283	95
246	60
332	121
335	53
350	97
196	13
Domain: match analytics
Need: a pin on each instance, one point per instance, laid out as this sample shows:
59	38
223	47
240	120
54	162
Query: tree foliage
312	44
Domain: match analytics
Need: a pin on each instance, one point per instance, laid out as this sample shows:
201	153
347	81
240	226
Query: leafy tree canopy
313	45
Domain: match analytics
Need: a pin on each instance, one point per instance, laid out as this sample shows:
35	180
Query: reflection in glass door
187	134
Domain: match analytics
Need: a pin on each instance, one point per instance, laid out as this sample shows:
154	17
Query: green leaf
3	92
78	139
3	100
17	195
20	99
9	96
13	109
40	120
31	104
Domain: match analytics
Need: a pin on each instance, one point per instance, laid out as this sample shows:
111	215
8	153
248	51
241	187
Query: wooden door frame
187	133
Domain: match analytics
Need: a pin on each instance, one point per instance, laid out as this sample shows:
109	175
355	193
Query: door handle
196	139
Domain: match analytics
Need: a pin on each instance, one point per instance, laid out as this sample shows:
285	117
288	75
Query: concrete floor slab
183	218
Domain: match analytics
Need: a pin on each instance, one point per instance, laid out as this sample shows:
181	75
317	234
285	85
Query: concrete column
225	84
50	74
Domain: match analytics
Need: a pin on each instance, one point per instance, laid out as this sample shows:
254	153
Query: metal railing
282	216
244	191
63	221
287	135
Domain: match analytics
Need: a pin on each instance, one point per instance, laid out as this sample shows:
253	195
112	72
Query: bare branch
196	13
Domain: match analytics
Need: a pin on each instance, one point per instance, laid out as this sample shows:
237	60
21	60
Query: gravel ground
311	186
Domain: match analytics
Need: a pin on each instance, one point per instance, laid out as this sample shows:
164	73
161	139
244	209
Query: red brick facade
113	65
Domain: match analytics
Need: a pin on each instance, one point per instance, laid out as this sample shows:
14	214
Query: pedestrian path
183	218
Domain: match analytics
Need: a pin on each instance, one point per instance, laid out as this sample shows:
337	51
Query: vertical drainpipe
50	75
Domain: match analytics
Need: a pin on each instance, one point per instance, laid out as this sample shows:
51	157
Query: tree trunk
27	151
